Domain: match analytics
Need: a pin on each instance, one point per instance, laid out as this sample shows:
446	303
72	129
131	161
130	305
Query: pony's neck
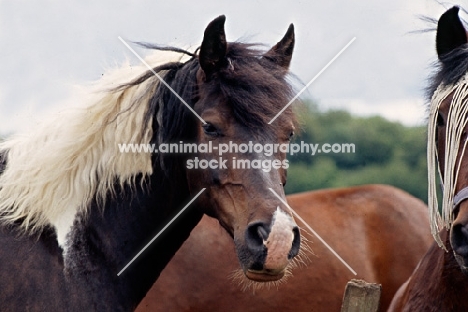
106	240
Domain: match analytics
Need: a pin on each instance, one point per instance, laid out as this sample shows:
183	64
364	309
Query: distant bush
385	152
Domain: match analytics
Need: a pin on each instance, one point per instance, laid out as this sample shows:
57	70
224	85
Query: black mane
255	87
449	69
250	83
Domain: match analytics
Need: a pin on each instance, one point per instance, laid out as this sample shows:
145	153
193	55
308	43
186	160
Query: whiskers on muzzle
300	261
238	277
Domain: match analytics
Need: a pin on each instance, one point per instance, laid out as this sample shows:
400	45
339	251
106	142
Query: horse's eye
440	120
210	130
291	136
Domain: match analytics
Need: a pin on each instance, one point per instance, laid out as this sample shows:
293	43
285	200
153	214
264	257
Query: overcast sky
48	46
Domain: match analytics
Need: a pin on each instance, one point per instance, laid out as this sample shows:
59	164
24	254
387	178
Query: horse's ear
281	53
450	32
213	48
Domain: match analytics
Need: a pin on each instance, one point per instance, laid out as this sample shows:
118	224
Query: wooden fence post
360	296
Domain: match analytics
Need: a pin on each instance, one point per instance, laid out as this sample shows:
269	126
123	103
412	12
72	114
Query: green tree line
385	152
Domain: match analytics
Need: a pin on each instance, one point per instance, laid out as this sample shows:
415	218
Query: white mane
56	171
457	120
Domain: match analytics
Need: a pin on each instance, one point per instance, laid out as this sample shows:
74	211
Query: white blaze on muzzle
279	242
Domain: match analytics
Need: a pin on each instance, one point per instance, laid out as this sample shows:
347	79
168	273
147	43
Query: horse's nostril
256	234
460	239
296	244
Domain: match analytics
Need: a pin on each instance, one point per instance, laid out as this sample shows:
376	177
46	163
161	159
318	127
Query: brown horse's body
382	232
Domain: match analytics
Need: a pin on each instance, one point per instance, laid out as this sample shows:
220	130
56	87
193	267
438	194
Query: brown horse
381	231
440	282
77	205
